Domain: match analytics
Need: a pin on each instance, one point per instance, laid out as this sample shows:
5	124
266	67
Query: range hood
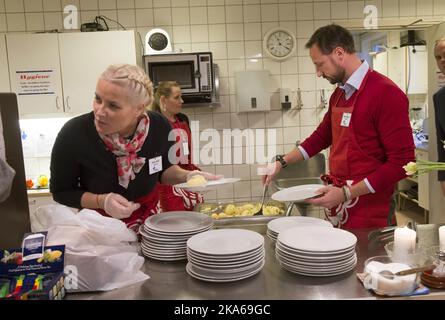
389	24
410	39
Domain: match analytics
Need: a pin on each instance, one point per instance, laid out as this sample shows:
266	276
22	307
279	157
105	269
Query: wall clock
279	43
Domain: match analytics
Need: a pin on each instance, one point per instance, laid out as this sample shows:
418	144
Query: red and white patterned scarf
128	163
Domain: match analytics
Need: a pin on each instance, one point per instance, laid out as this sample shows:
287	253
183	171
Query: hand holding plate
331	197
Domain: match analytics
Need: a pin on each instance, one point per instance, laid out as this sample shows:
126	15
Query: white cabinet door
4	71
417	70
84	56
35	57
396	67
380	63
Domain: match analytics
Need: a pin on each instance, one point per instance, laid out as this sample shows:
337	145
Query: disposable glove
207	175
269	172
118	207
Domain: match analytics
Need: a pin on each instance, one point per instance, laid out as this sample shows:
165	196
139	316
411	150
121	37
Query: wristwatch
279	157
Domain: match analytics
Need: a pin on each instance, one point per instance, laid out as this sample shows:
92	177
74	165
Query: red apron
175	199
349	164
149	206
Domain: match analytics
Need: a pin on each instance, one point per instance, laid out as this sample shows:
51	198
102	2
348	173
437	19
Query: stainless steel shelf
406	196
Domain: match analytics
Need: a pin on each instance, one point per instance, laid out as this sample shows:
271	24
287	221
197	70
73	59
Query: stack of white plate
316	251
278	225
165	235
225	255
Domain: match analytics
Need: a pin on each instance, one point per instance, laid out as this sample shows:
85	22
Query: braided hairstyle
133	79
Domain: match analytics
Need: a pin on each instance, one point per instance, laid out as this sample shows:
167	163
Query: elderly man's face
439	54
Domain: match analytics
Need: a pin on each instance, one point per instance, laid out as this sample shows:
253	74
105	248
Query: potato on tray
245	209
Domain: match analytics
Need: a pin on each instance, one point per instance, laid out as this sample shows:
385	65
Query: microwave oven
194	72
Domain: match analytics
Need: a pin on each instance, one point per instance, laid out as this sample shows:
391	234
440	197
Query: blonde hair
436	43
164	89
133	79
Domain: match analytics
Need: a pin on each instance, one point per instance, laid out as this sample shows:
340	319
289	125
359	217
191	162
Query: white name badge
185	147
155	164
345	119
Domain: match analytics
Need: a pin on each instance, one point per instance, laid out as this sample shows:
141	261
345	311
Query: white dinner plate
226	257
237	271
160	240
178	221
316	254
168	236
211	185
315	264
297	193
225	265
280	224
192	272
314	259
318	239
318	273
163	249
225	242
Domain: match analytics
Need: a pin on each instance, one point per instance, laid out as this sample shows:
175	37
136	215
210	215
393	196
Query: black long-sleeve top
439	112
80	161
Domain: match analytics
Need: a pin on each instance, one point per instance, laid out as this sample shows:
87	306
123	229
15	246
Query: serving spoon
259	212
390	275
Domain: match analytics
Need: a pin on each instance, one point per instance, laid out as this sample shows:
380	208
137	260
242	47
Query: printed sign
36	82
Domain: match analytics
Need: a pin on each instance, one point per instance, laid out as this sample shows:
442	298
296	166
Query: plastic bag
7	174
98	255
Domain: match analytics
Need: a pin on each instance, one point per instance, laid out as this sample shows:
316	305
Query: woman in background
168	101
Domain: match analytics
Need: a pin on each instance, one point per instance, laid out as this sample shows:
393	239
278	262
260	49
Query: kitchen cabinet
380	63
417	68
4	72
57	73
406	66
36	200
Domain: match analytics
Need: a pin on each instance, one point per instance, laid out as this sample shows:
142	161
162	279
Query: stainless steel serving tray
219	207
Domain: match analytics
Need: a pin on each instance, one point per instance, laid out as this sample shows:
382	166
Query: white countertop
38	192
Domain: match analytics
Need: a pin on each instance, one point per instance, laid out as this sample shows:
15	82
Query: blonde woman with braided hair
168	101
113	158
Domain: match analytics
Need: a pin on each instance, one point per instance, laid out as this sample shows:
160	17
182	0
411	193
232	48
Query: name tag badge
155	164
185	147
345	119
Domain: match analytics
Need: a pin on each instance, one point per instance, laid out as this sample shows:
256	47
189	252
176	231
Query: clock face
158	41
279	44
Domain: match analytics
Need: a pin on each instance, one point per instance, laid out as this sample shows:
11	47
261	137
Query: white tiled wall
233	31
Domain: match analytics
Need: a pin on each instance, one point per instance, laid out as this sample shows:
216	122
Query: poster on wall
35	82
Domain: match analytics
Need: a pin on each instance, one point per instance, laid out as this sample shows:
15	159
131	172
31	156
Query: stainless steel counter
169	280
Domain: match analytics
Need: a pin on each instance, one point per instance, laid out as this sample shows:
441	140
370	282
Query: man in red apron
367	129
